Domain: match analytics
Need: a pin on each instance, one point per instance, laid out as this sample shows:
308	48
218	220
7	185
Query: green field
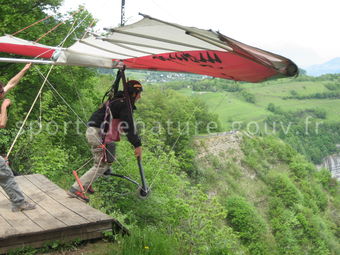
232	107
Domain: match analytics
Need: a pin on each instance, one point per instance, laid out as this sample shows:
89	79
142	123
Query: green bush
250	98
246	221
300	167
283	222
282	187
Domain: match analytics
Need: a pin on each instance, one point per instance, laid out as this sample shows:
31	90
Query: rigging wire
71	30
49	31
62	98
31	25
46	80
70	107
40	112
88	161
29	112
39	92
79	94
90	26
56	26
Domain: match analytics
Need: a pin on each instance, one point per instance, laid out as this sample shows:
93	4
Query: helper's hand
138	152
6	103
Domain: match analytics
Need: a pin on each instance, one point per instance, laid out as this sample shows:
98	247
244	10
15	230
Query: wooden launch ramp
56	218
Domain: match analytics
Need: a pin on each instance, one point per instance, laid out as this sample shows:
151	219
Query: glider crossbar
136	44
209	40
158	39
104	49
186	29
133	49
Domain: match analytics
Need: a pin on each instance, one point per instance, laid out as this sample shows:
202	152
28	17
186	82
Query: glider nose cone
292	69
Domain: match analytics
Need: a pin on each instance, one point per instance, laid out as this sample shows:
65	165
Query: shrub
300	167
245	220
250	98
282	187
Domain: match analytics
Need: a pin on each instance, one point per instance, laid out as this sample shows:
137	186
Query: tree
60	149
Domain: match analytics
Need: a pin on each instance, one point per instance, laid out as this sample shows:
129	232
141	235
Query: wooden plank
37	244
17	220
82	232
59	217
60	195
59	234
43	217
40	216
74	204
57	210
6	229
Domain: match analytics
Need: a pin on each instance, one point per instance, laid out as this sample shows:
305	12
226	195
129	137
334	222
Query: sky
305	31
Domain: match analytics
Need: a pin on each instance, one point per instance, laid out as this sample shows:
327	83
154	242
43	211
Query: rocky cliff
332	163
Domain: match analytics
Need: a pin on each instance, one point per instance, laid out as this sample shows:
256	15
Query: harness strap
103	147
112	92
107	113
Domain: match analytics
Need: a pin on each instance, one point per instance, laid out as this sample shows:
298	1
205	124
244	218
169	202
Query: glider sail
152	44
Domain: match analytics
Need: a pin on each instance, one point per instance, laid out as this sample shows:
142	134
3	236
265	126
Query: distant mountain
332	66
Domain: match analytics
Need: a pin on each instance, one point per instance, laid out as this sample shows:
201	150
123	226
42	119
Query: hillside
276	201
249	195
233	107
303	111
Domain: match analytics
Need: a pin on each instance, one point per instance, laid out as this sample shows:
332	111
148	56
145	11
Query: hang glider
153	44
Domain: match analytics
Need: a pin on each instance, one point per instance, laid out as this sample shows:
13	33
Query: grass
231	107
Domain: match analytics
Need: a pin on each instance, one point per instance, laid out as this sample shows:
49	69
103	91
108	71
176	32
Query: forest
262	196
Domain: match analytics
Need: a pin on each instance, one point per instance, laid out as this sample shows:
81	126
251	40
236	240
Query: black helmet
134	87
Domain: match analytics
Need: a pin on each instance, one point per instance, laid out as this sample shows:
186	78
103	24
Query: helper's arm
15	80
3	115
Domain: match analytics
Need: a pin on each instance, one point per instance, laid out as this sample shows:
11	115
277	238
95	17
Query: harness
114	130
110	133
